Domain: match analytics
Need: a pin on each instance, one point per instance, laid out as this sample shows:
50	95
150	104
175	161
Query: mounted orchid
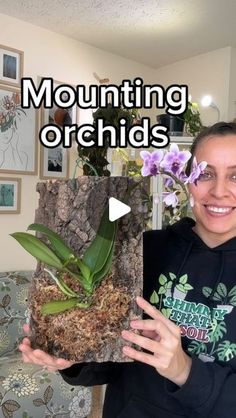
88	271
172	166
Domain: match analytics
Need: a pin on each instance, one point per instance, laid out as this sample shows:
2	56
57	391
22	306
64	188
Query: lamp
207	102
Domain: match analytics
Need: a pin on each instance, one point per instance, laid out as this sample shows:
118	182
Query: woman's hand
162	338
40	357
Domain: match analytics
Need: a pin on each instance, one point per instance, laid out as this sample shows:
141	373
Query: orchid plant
88	271
172	166
192	119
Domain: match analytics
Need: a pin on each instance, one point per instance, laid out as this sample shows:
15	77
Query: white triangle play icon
117	209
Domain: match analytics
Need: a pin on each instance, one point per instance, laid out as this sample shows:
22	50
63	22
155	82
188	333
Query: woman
188	364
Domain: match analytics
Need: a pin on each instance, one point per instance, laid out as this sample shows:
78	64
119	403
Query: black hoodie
195	286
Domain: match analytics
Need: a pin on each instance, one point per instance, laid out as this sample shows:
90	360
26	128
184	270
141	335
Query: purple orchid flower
151	162
170	199
196	171
183	177
174	160
168	182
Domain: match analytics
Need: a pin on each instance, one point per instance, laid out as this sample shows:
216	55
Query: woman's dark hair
218	129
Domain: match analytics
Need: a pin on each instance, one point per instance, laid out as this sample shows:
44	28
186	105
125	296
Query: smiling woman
214	195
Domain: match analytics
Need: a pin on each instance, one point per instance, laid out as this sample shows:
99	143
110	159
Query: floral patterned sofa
30	391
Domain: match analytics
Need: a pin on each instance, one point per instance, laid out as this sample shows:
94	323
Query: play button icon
117	209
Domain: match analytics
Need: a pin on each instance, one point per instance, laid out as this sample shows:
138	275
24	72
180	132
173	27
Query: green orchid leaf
100	275
96	255
37	249
84	269
60	247
58	306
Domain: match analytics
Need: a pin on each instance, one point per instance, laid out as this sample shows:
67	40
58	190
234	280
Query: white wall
51	55
204	74
232	83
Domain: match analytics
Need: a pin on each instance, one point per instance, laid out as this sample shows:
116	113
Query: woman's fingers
26	328
140	356
161	340
25	341
41	358
156	326
149	309
50	361
155	314
151	334
52	369
154	346
143	342
64	364
27	354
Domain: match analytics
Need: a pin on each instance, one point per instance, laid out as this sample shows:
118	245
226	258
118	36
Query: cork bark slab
73	209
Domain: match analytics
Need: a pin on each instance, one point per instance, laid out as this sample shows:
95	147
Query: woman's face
215	193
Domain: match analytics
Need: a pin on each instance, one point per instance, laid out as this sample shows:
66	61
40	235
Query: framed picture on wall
54	163
11	66
10	191
59	116
18	146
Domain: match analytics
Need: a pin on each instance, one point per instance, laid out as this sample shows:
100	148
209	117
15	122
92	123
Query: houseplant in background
94	160
192	119
188	123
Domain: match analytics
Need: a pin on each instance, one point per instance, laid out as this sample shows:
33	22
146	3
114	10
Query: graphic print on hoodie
195	287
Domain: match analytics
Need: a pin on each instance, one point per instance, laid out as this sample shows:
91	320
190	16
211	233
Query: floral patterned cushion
13	310
30	391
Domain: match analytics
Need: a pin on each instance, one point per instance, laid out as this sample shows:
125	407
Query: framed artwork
18	146
11	66
10	191
59	116
54	163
